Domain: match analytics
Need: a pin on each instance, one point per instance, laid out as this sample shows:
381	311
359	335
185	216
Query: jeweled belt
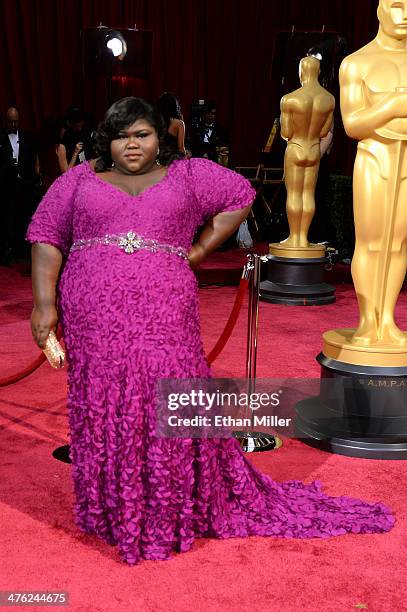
129	243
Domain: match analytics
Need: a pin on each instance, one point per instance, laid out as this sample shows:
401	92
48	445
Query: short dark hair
119	116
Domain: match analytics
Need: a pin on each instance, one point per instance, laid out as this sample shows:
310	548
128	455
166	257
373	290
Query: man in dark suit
207	136
19	186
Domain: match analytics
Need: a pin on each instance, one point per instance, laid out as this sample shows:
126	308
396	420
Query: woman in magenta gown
129	312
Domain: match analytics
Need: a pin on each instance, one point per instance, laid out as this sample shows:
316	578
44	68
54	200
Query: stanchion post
256	297
249	268
253	441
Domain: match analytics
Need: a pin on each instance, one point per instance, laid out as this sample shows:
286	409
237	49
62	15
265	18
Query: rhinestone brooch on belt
129	243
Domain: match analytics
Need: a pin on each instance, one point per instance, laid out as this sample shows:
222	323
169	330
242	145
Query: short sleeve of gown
218	189
52	221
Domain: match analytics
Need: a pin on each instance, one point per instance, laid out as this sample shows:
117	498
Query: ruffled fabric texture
129	320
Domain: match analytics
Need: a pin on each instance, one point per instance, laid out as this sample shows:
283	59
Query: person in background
74	145
208	136
19	183
170	109
50	134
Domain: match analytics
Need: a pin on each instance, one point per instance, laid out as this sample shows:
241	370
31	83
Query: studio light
115	42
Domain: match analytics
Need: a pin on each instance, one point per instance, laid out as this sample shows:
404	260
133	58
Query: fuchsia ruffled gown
129	319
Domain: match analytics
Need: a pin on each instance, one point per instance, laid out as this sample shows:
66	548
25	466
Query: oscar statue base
337	345
360	412
296	281
282	249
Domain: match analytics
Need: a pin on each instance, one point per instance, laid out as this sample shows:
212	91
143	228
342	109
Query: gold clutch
53	351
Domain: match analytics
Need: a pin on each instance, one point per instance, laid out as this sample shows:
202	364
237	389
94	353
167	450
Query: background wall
220	49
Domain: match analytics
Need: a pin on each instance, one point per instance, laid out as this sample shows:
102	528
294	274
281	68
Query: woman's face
78	126
135	149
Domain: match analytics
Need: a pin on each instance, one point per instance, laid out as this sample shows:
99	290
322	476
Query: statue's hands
43	320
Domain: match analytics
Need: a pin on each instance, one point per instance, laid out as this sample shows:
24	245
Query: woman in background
74	145
170	109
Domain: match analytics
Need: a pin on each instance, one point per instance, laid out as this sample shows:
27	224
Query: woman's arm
62	159
326	141
177	129
181	136
61	154
46	266
215	232
37	168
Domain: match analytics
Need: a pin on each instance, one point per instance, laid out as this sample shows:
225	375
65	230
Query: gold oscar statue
306	117
373	83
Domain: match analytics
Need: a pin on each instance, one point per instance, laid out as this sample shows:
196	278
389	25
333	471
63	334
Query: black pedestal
62	454
361	411
296	282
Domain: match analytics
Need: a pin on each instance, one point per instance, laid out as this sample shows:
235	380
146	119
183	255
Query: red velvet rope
217	349
219	346
29	369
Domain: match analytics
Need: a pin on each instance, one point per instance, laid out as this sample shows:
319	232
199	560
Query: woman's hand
43	320
78	148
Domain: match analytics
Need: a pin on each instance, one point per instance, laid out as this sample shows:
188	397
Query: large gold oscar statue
306	117
373	84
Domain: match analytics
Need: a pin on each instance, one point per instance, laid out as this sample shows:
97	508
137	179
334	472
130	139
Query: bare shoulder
177	122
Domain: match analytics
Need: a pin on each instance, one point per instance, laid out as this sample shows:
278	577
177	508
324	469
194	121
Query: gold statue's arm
361	121
286	127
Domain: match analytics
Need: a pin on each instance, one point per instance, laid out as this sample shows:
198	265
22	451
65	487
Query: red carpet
42	550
